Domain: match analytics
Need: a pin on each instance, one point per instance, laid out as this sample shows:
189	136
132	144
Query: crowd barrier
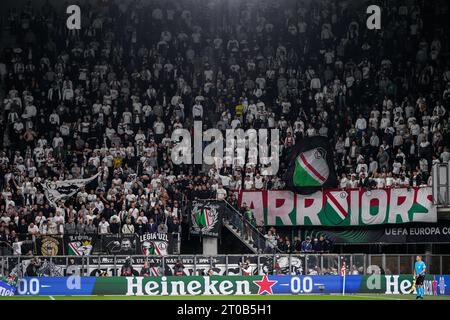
227	265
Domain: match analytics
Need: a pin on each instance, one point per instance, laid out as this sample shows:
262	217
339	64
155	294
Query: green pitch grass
264	297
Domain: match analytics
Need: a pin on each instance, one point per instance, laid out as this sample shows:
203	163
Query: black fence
295	264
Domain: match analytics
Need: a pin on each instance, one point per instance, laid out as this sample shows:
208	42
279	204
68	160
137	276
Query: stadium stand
105	100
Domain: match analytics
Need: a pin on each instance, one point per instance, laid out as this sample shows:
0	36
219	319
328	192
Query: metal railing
247	230
295	264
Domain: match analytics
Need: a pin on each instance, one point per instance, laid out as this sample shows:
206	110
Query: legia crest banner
311	166
79	245
154	244
206	218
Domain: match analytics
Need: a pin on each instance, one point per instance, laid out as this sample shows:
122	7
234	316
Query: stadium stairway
238	234
250	236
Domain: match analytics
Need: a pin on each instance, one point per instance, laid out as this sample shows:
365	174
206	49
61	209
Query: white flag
63	189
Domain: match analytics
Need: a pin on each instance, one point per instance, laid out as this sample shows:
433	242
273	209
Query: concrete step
238	235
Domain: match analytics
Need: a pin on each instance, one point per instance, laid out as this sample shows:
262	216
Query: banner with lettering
341	207
79	245
405	233
154	244
212	286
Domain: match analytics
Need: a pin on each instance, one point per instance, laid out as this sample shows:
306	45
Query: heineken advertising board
341	207
402	284
229	285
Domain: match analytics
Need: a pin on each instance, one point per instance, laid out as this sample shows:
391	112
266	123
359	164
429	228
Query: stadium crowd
106	99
